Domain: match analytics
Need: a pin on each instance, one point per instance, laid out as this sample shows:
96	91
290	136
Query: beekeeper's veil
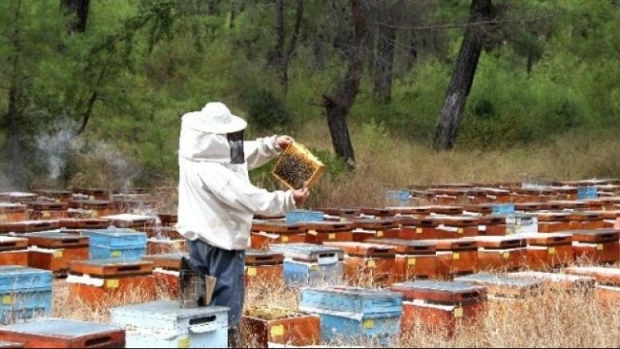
213	134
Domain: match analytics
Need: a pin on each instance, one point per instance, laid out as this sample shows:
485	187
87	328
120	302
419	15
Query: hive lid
450	292
59	328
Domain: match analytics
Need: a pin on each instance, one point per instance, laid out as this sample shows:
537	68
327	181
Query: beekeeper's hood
212	134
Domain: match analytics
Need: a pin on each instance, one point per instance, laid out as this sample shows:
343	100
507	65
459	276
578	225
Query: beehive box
133	203
96	282
550	222
341	213
318	232
63	196
492	226
375	228
448	210
413	260
53	250
558	281
13	251
126	244
596	245
351	313
83	223
17	197
90	208
369	262
47	210
168	219
432	304
549	250
456	257
421	228
265	232
297	167
264	267
162	324
454	227
585	220
61	333
26	293
93	193
311	265
28	226
264	325
166	269
505	253
128	220
10	212
603	275
159	246
7	344
504	285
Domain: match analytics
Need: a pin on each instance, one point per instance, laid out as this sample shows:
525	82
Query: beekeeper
217	201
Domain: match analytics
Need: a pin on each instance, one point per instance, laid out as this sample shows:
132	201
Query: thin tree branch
465	25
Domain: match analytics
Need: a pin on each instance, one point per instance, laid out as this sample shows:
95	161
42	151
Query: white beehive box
163	324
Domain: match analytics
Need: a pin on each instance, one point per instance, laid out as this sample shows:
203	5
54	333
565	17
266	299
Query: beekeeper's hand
300	196
284	141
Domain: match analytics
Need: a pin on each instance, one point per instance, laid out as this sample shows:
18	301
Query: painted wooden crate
54	250
83	223
134	221
266	232
455	227
439	304
90	208
603	275
47	210
596	245
265	325
26	293
11	212
414	259
492	226
28	226
559	281
419	228
351	313
264	268
311	265
166	269
13	251
101	281
56	195
504	253
370	263
375	228
455	257
317	232
162	324
549	250
61	333
120	243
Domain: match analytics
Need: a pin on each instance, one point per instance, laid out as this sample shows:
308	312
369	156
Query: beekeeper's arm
260	151
242	195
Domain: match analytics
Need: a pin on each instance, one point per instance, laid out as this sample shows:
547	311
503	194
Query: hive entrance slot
128	268
70	241
202	320
97	342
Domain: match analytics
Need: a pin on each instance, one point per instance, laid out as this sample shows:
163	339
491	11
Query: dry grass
553	320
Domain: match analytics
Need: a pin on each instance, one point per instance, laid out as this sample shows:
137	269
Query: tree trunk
412	52
16	172
286	57
463	76
383	65
278	56
80	9
339	104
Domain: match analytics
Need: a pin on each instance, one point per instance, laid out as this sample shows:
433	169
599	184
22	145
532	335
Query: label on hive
368	324
551	250
312	232
379	233
112	283
115	253
58	254
314	267
371	263
411	261
599	247
506	255
184	342
277	331
46	214
7	300
251	271
419	230
284	238
456	255
460	231
458	312
331	236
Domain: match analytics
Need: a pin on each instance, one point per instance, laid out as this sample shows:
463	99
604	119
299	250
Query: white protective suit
216	199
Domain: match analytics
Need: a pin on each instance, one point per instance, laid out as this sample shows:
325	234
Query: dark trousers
229	269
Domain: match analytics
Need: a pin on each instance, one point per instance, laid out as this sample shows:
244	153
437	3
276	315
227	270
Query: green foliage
266	111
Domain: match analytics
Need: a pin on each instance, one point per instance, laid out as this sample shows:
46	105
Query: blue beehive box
311	265
351	313
116	243
398	197
296	216
587	193
26	293
500	209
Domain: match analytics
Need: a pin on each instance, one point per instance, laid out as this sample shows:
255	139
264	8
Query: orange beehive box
421	228
265	232
603	275
262	326
92	193
413	260
47	210
166	269
28	226
492	226
13	251
364	229
83	223
551	222
318	232
596	245
585	220
62	196
18	197
549	250
454	227
505	253
54	250
459	257
109	282
11	212
449	210
132	221
439	304
264	268
367	262
90	208
168	219
558	281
